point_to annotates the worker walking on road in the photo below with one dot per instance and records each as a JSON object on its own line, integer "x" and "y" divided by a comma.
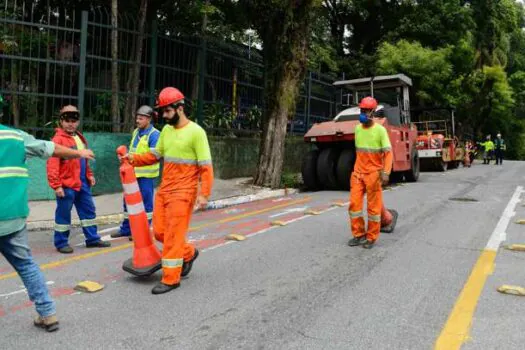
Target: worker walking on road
{"x": 72, "y": 181}
{"x": 15, "y": 146}
{"x": 371, "y": 171}
{"x": 500, "y": 148}
{"x": 184, "y": 147}
{"x": 488, "y": 147}
{"x": 144, "y": 140}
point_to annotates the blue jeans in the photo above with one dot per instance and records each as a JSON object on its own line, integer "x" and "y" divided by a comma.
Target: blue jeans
{"x": 15, "y": 249}
{"x": 147, "y": 190}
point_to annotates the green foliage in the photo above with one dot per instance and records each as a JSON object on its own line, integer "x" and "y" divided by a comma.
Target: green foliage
{"x": 218, "y": 116}
{"x": 430, "y": 69}
{"x": 290, "y": 180}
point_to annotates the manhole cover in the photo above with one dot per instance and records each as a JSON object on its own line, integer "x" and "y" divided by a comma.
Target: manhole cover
{"x": 463, "y": 199}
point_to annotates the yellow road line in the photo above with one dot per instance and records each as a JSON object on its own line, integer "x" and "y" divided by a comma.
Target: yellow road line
{"x": 456, "y": 330}
{"x": 58, "y": 263}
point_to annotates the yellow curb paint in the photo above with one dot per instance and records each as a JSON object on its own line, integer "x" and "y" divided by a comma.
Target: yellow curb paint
{"x": 512, "y": 290}
{"x": 312, "y": 212}
{"x": 516, "y": 247}
{"x": 278, "y": 223}
{"x": 456, "y": 330}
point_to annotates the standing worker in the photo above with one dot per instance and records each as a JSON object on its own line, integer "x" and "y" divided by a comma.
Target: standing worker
{"x": 500, "y": 148}
{"x": 144, "y": 140}
{"x": 187, "y": 159}
{"x": 72, "y": 181}
{"x": 371, "y": 171}
{"x": 15, "y": 146}
{"x": 488, "y": 150}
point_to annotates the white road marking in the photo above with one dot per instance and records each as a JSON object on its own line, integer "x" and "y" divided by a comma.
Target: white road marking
{"x": 272, "y": 228}
{"x": 287, "y": 211}
{"x": 499, "y": 235}
{"x": 7, "y": 295}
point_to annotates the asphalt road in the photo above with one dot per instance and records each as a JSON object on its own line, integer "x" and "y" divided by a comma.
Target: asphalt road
{"x": 299, "y": 286}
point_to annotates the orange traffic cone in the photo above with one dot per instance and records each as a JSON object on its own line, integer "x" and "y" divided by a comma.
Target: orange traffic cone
{"x": 146, "y": 257}
{"x": 388, "y": 219}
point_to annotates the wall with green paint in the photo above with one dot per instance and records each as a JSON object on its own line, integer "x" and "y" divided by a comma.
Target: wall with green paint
{"x": 232, "y": 157}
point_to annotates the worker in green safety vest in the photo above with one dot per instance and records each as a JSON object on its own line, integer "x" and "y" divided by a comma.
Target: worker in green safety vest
{"x": 144, "y": 140}
{"x": 500, "y": 148}
{"x": 15, "y": 147}
{"x": 488, "y": 153}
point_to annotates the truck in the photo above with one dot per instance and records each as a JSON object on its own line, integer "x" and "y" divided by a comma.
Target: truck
{"x": 438, "y": 146}
{"x": 331, "y": 160}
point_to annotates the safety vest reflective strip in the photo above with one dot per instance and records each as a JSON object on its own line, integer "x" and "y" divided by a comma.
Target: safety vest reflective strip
{"x": 372, "y": 140}
{"x": 14, "y": 176}
{"x": 186, "y": 146}
{"x": 148, "y": 171}
{"x": 13, "y": 172}
{"x": 374, "y": 218}
{"x": 6, "y": 134}
{"x": 88, "y": 222}
{"x": 172, "y": 263}
{"x": 356, "y": 214}
{"x": 61, "y": 228}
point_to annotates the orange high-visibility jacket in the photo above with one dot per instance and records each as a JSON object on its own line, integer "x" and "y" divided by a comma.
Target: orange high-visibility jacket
{"x": 187, "y": 159}
{"x": 374, "y": 152}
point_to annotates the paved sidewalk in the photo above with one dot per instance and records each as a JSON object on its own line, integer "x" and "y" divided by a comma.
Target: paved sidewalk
{"x": 109, "y": 206}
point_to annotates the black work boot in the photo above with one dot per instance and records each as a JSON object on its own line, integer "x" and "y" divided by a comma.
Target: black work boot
{"x": 357, "y": 241}
{"x": 368, "y": 244}
{"x": 162, "y": 288}
{"x": 65, "y": 250}
{"x": 99, "y": 244}
{"x": 118, "y": 235}
{"x": 186, "y": 266}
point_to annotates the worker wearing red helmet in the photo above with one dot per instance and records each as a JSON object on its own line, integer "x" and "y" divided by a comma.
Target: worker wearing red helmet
{"x": 371, "y": 170}
{"x": 184, "y": 147}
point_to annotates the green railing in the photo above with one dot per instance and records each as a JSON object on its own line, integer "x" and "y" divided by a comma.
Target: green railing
{"x": 52, "y": 57}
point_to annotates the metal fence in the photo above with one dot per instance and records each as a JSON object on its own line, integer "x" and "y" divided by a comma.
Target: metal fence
{"x": 52, "y": 57}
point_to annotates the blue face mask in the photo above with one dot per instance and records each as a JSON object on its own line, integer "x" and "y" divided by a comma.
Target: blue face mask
{"x": 363, "y": 118}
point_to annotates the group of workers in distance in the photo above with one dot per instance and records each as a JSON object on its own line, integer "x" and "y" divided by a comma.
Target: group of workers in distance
{"x": 491, "y": 150}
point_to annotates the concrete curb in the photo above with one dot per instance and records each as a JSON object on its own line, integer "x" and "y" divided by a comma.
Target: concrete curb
{"x": 46, "y": 225}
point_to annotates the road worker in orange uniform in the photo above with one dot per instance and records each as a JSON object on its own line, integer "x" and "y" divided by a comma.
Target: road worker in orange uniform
{"x": 184, "y": 147}
{"x": 371, "y": 171}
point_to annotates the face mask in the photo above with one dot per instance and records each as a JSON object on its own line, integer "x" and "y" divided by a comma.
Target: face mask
{"x": 363, "y": 118}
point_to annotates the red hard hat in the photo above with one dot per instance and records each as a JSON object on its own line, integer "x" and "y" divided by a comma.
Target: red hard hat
{"x": 368, "y": 103}
{"x": 169, "y": 96}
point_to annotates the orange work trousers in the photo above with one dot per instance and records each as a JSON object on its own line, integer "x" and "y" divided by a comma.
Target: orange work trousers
{"x": 171, "y": 220}
{"x": 369, "y": 184}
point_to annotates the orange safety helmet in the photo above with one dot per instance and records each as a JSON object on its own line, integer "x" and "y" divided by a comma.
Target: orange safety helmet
{"x": 169, "y": 96}
{"x": 368, "y": 103}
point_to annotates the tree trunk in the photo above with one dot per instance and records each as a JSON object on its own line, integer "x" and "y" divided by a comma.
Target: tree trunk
{"x": 15, "y": 99}
{"x": 285, "y": 45}
{"x": 134, "y": 76}
{"x": 115, "y": 88}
